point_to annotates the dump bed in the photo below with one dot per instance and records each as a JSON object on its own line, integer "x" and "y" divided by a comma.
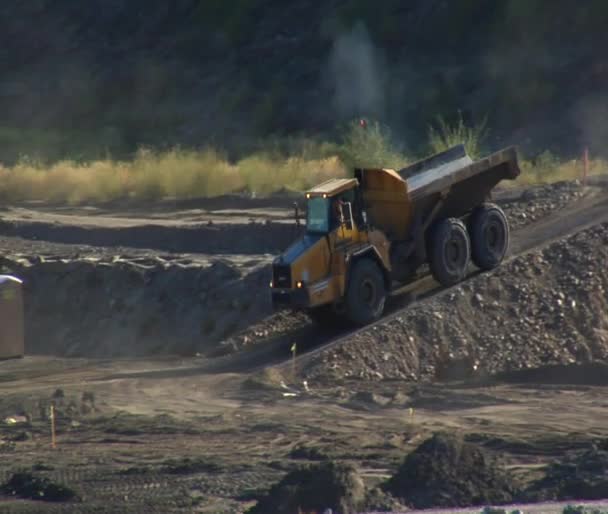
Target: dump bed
{"x": 462, "y": 182}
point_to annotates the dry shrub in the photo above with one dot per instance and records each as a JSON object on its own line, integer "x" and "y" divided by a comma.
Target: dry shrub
{"x": 264, "y": 174}
{"x": 64, "y": 182}
{"x": 183, "y": 174}
{"x": 548, "y": 168}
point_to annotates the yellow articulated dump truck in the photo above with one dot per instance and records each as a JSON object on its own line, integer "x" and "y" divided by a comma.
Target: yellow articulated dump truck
{"x": 372, "y": 233}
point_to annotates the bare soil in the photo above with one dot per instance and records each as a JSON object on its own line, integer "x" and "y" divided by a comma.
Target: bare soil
{"x": 506, "y": 361}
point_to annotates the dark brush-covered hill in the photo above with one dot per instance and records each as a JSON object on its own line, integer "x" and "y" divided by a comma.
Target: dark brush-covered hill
{"x": 88, "y": 78}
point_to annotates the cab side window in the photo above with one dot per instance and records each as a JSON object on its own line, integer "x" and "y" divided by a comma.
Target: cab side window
{"x": 343, "y": 198}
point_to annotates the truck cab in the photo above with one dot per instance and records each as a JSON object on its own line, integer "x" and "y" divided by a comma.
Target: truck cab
{"x": 312, "y": 274}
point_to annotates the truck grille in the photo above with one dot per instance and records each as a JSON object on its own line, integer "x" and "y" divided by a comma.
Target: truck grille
{"x": 281, "y": 276}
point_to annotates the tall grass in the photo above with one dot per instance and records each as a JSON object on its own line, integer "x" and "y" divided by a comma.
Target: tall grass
{"x": 370, "y": 146}
{"x": 295, "y": 165}
{"x": 154, "y": 175}
{"x": 447, "y": 135}
{"x": 548, "y": 168}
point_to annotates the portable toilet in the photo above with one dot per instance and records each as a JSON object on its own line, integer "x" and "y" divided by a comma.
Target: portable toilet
{"x": 12, "y": 343}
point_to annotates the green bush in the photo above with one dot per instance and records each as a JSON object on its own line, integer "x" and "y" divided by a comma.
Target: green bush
{"x": 447, "y": 135}
{"x": 370, "y": 146}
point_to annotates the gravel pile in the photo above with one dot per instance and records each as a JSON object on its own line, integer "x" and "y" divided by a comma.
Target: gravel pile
{"x": 445, "y": 471}
{"x": 536, "y": 203}
{"x": 546, "y": 307}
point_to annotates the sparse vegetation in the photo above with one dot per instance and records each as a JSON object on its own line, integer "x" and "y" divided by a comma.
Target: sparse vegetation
{"x": 447, "y": 135}
{"x": 370, "y": 145}
{"x": 291, "y": 164}
{"x": 547, "y": 168}
{"x": 153, "y": 175}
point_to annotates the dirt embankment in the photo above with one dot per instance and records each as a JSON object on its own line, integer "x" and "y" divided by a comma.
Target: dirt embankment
{"x": 113, "y": 309}
{"x": 103, "y": 283}
{"x": 546, "y": 307}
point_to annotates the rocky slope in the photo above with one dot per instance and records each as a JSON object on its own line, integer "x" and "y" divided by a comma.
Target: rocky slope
{"x": 546, "y": 307}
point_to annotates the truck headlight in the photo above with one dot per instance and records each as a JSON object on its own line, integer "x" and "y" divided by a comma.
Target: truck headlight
{"x": 299, "y": 284}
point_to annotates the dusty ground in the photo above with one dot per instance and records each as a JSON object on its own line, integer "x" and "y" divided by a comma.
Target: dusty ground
{"x": 506, "y": 359}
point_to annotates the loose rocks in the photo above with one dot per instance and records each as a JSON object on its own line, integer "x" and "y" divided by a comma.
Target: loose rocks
{"x": 544, "y": 308}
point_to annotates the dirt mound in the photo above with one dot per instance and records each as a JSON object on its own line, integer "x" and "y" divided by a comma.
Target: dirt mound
{"x": 109, "y": 308}
{"x": 445, "y": 471}
{"x": 553, "y": 301}
{"x": 316, "y": 488}
{"x": 583, "y": 476}
{"x": 25, "y": 485}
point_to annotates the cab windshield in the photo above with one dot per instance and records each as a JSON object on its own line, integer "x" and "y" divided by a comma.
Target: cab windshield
{"x": 317, "y": 217}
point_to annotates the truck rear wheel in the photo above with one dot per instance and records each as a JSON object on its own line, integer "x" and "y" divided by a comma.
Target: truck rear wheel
{"x": 366, "y": 293}
{"x": 489, "y": 236}
{"x": 450, "y": 251}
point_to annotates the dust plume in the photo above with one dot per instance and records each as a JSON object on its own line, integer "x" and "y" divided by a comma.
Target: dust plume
{"x": 357, "y": 75}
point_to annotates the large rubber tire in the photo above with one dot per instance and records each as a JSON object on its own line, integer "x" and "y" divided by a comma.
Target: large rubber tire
{"x": 325, "y": 316}
{"x": 449, "y": 251}
{"x": 365, "y": 293}
{"x": 490, "y": 235}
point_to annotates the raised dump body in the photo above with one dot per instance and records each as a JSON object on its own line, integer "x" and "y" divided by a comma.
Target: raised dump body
{"x": 452, "y": 177}
{"x": 369, "y": 234}
{"x": 467, "y": 183}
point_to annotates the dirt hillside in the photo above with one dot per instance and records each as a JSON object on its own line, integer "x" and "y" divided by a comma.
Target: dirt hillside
{"x": 546, "y": 307}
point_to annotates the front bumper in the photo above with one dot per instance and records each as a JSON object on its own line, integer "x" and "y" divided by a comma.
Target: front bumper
{"x": 290, "y": 298}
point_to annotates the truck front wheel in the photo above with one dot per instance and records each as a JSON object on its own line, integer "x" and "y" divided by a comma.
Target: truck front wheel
{"x": 450, "y": 251}
{"x": 489, "y": 236}
{"x": 366, "y": 293}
